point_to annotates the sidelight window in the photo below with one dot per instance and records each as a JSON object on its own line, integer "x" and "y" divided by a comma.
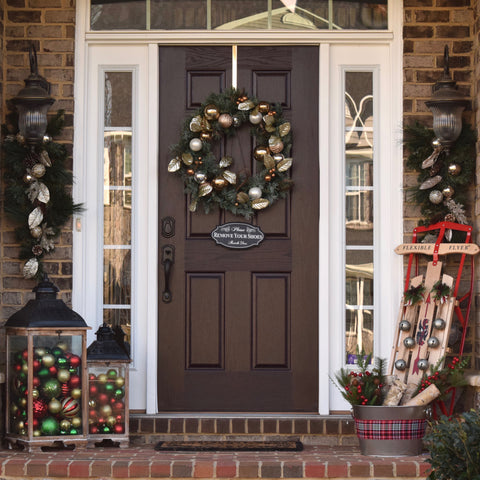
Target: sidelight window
{"x": 238, "y": 15}
{"x": 117, "y": 199}
{"x": 359, "y": 213}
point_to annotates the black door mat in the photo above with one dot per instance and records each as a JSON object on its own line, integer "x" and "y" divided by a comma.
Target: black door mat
{"x": 230, "y": 446}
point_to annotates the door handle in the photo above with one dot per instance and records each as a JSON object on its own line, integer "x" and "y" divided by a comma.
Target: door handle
{"x": 168, "y": 259}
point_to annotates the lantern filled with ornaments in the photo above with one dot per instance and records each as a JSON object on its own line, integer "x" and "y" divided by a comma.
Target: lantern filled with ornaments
{"x": 46, "y": 373}
{"x": 108, "y": 361}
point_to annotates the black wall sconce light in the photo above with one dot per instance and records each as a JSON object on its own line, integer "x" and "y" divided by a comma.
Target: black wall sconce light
{"x": 32, "y": 104}
{"x": 447, "y": 105}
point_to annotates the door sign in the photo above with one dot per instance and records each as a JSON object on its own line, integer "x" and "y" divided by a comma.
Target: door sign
{"x": 237, "y": 235}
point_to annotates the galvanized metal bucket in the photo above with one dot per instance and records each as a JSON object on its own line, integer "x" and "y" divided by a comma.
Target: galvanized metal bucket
{"x": 390, "y": 431}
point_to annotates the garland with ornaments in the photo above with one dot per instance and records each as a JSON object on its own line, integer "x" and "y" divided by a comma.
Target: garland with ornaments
{"x": 210, "y": 181}
{"x": 444, "y": 174}
{"x": 36, "y": 193}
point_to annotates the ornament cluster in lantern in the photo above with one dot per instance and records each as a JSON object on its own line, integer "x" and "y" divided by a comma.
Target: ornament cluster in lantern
{"x": 108, "y": 361}
{"x": 46, "y": 373}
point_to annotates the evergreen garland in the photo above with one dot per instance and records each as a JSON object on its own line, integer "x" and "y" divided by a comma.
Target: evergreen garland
{"x": 453, "y": 169}
{"x": 36, "y": 195}
{"x": 208, "y": 180}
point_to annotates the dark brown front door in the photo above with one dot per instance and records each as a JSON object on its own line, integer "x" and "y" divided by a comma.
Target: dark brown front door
{"x": 241, "y": 330}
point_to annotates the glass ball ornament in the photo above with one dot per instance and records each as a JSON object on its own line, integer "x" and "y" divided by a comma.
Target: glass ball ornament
{"x": 448, "y": 192}
{"x": 433, "y": 342}
{"x": 275, "y": 144}
{"x": 255, "y": 192}
{"x": 259, "y": 152}
{"x": 206, "y": 136}
{"x": 255, "y": 118}
{"x": 405, "y": 326}
{"x": 263, "y": 107}
{"x": 38, "y": 170}
{"x": 48, "y": 360}
{"x": 219, "y": 183}
{"x": 54, "y": 406}
{"x": 454, "y": 169}
{"x": 211, "y": 112}
{"x": 423, "y": 364}
{"x": 236, "y": 121}
{"x": 199, "y": 177}
{"x": 401, "y": 364}
{"x": 28, "y": 178}
{"x": 439, "y": 324}
{"x": 195, "y": 144}
{"x": 436, "y": 197}
{"x": 225, "y": 120}
{"x": 409, "y": 342}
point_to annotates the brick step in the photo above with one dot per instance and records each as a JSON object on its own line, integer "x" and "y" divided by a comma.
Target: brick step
{"x": 332, "y": 430}
{"x": 315, "y": 461}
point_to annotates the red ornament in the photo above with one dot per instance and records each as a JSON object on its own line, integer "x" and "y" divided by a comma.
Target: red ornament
{"x": 75, "y": 361}
{"x": 92, "y": 377}
{"x": 93, "y": 429}
{"x": 103, "y": 399}
{"x": 93, "y": 414}
{"x": 36, "y": 382}
{"x": 93, "y": 390}
{"x": 53, "y": 371}
{"x": 118, "y": 407}
{"x": 75, "y": 381}
{"x": 119, "y": 418}
{"x": 36, "y": 365}
{"x": 118, "y": 428}
{"x": 65, "y": 388}
{"x": 70, "y": 407}
{"x": 17, "y": 367}
{"x": 25, "y": 354}
{"x": 39, "y": 408}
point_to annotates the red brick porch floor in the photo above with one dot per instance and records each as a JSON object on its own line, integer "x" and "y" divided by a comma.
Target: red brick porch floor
{"x": 143, "y": 462}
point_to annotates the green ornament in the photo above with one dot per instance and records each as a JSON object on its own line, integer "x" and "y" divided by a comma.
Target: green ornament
{"x": 57, "y": 351}
{"x": 73, "y": 431}
{"x": 109, "y": 388}
{"x": 62, "y": 362}
{"x": 112, "y": 374}
{"x": 49, "y": 426}
{"x": 18, "y": 357}
{"x": 72, "y": 370}
{"x": 51, "y": 388}
{"x": 119, "y": 393}
{"x": 43, "y": 372}
{"x": 22, "y": 376}
{"x": 106, "y": 429}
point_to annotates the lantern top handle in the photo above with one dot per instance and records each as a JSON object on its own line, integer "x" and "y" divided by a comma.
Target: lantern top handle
{"x": 446, "y": 58}
{"x": 34, "y": 75}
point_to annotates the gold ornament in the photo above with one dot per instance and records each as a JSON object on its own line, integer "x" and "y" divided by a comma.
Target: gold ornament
{"x": 225, "y": 120}
{"x": 65, "y": 425}
{"x": 187, "y": 158}
{"x": 448, "y": 191}
{"x": 200, "y": 177}
{"x": 275, "y": 144}
{"x": 28, "y": 178}
{"x": 278, "y": 157}
{"x": 206, "y": 136}
{"x": 174, "y": 165}
{"x": 119, "y": 382}
{"x": 259, "y": 152}
{"x": 230, "y": 177}
{"x": 106, "y": 410}
{"x": 204, "y": 189}
{"x": 190, "y": 171}
{"x": 225, "y": 161}
{"x": 35, "y": 393}
{"x": 268, "y": 161}
{"x": 63, "y": 375}
{"x": 76, "y": 422}
{"x": 196, "y": 124}
{"x": 211, "y": 112}
{"x": 284, "y": 164}
{"x": 260, "y": 203}
{"x": 76, "y": 393}
{"x": 45, "y": 159}
{"x": 54, "y": 406}
{"x": 284, "y": 129}
{"x": 242, "y": 197}
{"x": 246, "y": 105}
{"x": 268, "y": 178}
{"x": 454, "y": 169}
{"x": 36, "y": 232}
{"x": 111, "y": 421}
{"x": 263, "y": 107}
{"x": 269, "y": 123}
{"x": 43, "y": 194}
{"x": 219, "y": 183}
{"x": 38, "y": 170}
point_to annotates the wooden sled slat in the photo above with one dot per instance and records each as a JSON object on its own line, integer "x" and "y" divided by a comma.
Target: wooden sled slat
{"x": 442, "y": 248}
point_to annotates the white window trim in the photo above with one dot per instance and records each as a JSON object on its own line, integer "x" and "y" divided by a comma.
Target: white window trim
{"x": 143, "y": 371}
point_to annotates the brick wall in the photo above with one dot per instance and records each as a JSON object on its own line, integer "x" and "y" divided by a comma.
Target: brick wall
{"x": 429, "y": 25}
{"x": 50, "y": 25}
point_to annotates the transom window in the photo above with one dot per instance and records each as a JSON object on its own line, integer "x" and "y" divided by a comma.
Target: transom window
{"x": 238, "y": 14}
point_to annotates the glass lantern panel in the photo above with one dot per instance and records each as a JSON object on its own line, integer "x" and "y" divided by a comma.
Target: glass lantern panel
{"x": 118, "y": 99}
{"x": 359, "y": 333}
{"x": 107, "y": 390}
{"x": 17, "y": 376}
{"x": 57, "y": 404}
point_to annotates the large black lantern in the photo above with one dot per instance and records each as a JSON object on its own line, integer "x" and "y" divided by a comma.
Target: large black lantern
{"x": 108, "y": 361}
{"x": 46, "y": 373}
{"x": 447, "y": 105}
{"x": 32, "y": 104}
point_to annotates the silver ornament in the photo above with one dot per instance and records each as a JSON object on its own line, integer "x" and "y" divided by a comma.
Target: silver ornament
{"x": 38, "y": 170}
{"x": 30, "y": 268}
{"x": 225, "y": 120}
{"x": 436, "y": 197}
{"x": 260, "y": 203}
{"x": 275, "y": 144}
{"x": 195, "y": 144}
{"x": 255, "y": 193}
{"x": 405, "y": 326}
{"x": 439, "y": 324}
{"x": 409, "y": 342}
{"x": 430, "y": 182}
{"x": 423, "y": 364}
{"x": 401, "y": 364}
{"x": 255, "y": 118}
{"x": 433, "y": 342}
{"x": 200, "y": 177}
{"x": 174, "y": 165}
{"x": 236, "y": 121}
{"x": 35, "y": 218}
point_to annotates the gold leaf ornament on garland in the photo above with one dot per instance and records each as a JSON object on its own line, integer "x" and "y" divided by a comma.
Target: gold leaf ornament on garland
{"x": 213, "y": 182}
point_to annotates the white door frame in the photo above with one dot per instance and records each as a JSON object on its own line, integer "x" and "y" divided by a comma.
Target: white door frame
{"x": 139, "y": 51}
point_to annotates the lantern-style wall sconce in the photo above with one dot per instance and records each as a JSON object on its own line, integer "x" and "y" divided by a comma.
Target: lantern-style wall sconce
{"x": 108, "y": 360}
{"x": 447, "y": 105}
{"x": 46, "y": 373}
{"x": 32, "y": 104}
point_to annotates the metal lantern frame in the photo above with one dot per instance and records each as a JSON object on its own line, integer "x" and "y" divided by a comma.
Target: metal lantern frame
{"x": 108, "y": 364}
{"x": 32, "y": 104}
{"x": 447, "y": 105}
{"x": 44, "y": 324}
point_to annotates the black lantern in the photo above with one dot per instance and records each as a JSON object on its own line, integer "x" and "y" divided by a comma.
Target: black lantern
{"x": 108, "y": 361}
{"x": 46, "y": 373}
{"x": 32, "y": 103}
{"x": 447, "y": 105}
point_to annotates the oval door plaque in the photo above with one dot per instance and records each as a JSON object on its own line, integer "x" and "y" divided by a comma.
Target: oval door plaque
{"x": 237, "y": 235}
